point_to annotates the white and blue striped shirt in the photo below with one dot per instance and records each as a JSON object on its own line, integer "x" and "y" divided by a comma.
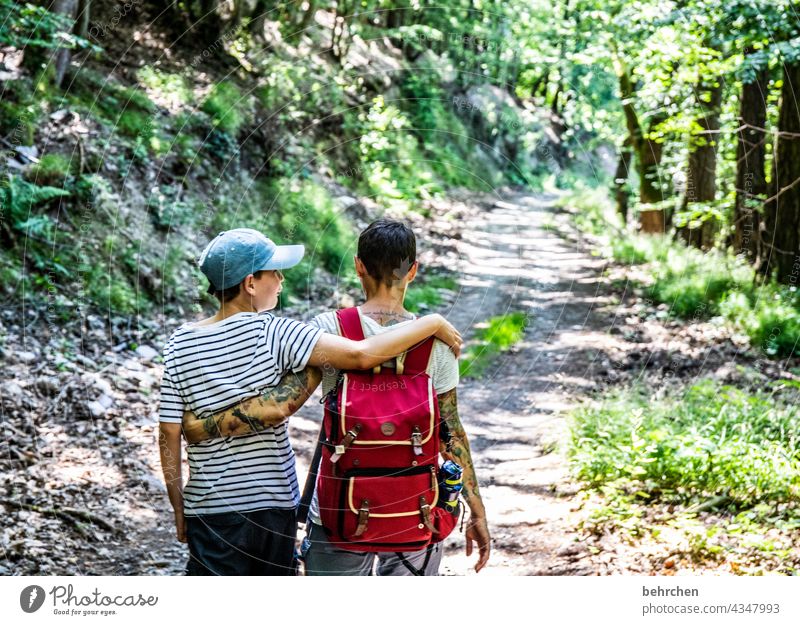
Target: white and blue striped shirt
{"x": 212, "y": 367}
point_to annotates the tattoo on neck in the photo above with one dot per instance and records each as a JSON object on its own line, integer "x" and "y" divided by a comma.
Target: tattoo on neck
{"x": 389, "y": 317}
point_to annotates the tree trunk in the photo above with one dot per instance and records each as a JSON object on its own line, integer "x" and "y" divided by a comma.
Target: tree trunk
{"x": 209, "y": 22}
{"x": 84, "y": 14}
{"x": 782, "y": 210}
{"x": 238, "y": 13}
{"x": 751, "y": 181}
{"x": 648, "y": 153}
{"x": 63, "y": 56}
{"x": 649, "y": 160}
{"x": 701, "y": 173}
{"x": 621, "y": 179}
{"x": 395, "y": 17}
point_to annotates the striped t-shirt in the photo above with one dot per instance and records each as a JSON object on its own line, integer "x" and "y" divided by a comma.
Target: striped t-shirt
{"x": 212, "y": 367}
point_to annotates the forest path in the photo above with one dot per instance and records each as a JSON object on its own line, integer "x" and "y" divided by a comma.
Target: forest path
{"x": 511, "y": 261}
{"x": 507, "y": 259}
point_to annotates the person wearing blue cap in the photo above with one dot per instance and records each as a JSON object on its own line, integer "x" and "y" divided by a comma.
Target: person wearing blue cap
{"x": 237, "y": 509}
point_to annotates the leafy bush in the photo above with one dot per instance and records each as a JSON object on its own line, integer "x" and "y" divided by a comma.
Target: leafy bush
{"x": 172, "y": 89}
{"x": 227, "y": 107}
{"x": 19, "y": 198}
{"x": 443, "y": 136}
{"x": 769, "y": 315}
{"x": 293, "y": 211}
{"x": 52, "y": 169}
{"x": 20, "y": 111}
{"x": 694, "y": 283}
{"x": 34, "y": 28}
{"x": 306, "y": 215}
{"x": 129, "y": 111}
{"x": 712, "y": 440}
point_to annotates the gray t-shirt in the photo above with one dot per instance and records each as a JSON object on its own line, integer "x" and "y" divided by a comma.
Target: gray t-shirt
{"x": 443, "y": 367}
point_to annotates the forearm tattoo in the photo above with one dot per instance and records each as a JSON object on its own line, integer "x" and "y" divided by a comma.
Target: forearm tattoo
{"x": 458, "y": 447}
{"x": 259, "y": 413}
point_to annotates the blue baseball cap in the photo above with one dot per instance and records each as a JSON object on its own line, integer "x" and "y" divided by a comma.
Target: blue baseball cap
{"x": 235, "y": 254}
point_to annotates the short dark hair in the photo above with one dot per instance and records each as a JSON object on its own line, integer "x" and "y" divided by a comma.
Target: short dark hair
{"x": 231, "y": 292}
{"x": 387, "y": 248}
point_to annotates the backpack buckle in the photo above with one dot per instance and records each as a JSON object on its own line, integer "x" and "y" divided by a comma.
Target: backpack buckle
{"x": 425, "y": 514}
{"x": 363, "y": 517}
{"x": 416, "y": 441}
{"x": 341, "y": 448}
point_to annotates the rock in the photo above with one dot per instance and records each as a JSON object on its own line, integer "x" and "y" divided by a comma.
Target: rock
{"x": 145, "y": 352}
{"x": 48, "y": 386}
{"x": 95, "y": 323}
{"x": 29, "y": 152}
{"x": 59, "y": 115}
{"x": 570, "y": 550}
{"x": 96, "y": 409}
{"x": 11, "y": 391}
{"x": 26, "y": 357}
{"x": 105, "y": 401}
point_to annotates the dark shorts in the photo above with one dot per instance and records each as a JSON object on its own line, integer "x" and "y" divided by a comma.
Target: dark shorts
{"x": 242, "y": 543}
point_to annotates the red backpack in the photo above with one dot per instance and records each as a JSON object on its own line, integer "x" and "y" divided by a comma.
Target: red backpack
{"x": 378, "y": 486}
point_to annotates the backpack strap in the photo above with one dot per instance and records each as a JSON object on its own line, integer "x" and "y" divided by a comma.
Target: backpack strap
{"x": 413, "y": 362}
{"x": 350, "y": 323}
{"x": 418, "y": 357}
{"x": 311, "y": 479}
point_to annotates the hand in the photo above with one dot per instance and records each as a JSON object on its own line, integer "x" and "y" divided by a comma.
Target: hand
{"x": 478, "y": 531}
{"x": 447, "y": 333}
{"x": 180, "y": 526}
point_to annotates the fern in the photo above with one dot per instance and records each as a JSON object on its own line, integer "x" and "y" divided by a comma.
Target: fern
{"x": 18, "y": 198}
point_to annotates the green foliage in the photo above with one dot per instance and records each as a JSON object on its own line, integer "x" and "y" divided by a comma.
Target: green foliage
{"x": 710, "y": 440}
{"x": 112, "y": 293}
{"x": 444, "y": 138}
{"x": 390, "y": 161}
{"x": 500, "y": 334}
{"x": 769, "y": 315}
{"x": 129, "y": 111}
{"x": 171, "y": 89}
{"x": 20, "y": 198}
{"x": 291, "y": 211}
{"x": 227, "y": 107}
{"x": 20, "y": 111}
{"x": 426, "y": 294}
{"x": 26, "y": 25}
{"x": 51, "y": 170}
{"x": 305, "y": 214}
{"x": 695, "y": 285}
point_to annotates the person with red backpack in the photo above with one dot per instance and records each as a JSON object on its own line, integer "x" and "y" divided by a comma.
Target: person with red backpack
{"x": 383, "y": 504}
{"x": 375, "y": 505}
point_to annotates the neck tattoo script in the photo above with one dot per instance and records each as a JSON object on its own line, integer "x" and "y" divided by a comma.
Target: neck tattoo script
{"x": 387, "y": 317}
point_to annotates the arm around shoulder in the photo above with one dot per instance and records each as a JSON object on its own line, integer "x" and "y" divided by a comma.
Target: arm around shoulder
{"x": 342, "y": 353}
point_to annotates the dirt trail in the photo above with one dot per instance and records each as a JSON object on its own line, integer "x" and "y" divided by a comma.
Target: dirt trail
{"x": 508, "y": 260}
{"x": 511, "y": 261}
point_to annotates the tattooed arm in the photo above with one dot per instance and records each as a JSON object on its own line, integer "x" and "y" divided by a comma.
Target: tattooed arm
{"x": 459, "y": 452}
{"x": 270, "y": 408}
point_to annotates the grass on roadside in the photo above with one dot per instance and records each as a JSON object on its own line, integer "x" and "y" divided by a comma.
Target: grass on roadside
{"x": 696, "y": 285}
{"x": 713, "y": 449}
{"x": 500, "y": 334}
